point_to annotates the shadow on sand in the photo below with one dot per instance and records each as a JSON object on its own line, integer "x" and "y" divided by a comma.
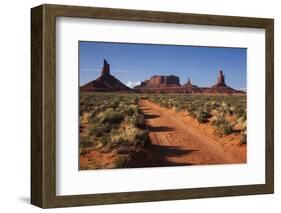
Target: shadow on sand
{"x": 158, "y": 156}
{"x": 160, "y": 128}
{"x": 151, "y": 116}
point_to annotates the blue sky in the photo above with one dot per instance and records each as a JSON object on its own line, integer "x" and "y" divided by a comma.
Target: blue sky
{"x": 132, "y": 63}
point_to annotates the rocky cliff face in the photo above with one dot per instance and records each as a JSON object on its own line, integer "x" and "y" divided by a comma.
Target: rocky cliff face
{"x": 170, "y": 84}
{"x": 161, "y": 81}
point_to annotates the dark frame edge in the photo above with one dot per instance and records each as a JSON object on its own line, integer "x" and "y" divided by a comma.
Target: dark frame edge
{"x": 37, "y": 197}
{"x": 156, "y": 16}
{"x": 269, "y": 118}
{"x": 43, "y": 107}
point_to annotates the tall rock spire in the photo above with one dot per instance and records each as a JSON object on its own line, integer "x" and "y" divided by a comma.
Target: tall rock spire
{"x": 105, "y": 82}
{"x": 188, "y": 81}
{"x": 106, "y": 68}
{"x": 221, "y": 79}
{"x": 189, "y": 84}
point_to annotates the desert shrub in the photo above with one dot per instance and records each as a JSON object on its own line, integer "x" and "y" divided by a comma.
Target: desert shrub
{"x": 202, "y": 116}
{"x": 118, "y": 140}
{"x": 104, "y": 140}
{"x": 243, "y": 139}
{"x": 126, "y": 133}
{"x": 222, "y": 125}
{"x": 243, "y": 116}
{"x": 242, "y": 123}
{"x": 132, "y": 109}
{"x": 142, "y": 138}
{"x": 122, "y": 161}
{"x": 139, "y": 121}
{"x": 128, "y": 136}
{"x": 192, "y": 114}
{"x": 115, "y": 104}
{"x": 136, "y": 100}
{"x": 145, "y": 97}
{"x": 82, "y": 109}
{"x": 224, "y": 105}
{"x": 93, "y": 118}
{"x": 231, "y": 110}
{"x": 97, "y": 131}
{"x": 110, "y": 116}
{"x": 240, "y": 112}
{"x": 215, "y": 104}
{"x": 192, "y": 110}
{"x": 226, "y": 129}
{"x": 85, "y": 141}
{"x": 109, "y": 126}
{"x": 101, "y": 107}
{"x": 224, "y": 108}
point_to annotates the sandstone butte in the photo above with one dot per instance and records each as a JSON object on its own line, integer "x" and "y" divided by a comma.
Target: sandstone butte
{"x": 105, "y": 83}
{"x": 156, "y": 84}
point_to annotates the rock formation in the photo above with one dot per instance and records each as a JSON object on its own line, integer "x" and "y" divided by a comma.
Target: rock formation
{"x": 160, "y": 81}
{"x": 221, "y": 86}
{"x": 106, "y": 68}
{"x": 221, "y": 80}
{"x": 156, "y": 84}
{"x": 105, "y": 83}
{"x": 189, "y": 84}
{"x": 170, "y": 84}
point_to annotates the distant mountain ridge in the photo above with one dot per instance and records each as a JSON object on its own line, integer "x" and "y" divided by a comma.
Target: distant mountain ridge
{"x": 156, "y": 84}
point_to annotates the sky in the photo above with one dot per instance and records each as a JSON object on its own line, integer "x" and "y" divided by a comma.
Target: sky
{"x": 133, "y": 63}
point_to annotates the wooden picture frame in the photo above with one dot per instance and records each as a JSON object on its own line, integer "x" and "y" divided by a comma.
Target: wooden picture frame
{"x": 43, "y": 105}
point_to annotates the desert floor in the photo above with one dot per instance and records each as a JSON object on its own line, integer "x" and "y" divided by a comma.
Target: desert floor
{"x": 177, "y": 139}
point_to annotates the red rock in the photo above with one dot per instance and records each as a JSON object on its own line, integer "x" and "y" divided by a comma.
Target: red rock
{"x": 221, "y": 80}
{"x": 160, "y": 84}
{"x": 105, "y": 83}
{"x": 189, "y": 84}
{"x": 161, "y": 81}
{"x": 156, "y": 84}
{"x": 106, "y": 68}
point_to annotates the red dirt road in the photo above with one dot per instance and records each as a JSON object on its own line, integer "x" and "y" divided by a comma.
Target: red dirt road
{"x": 178, "y": 141}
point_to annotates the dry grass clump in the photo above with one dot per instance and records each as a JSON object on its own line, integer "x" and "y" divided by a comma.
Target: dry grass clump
{"x": 223, "y": 126}
{"x": 120, "y": 127}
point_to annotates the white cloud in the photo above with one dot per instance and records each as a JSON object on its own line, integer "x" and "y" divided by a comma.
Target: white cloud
{"x": 133, "y": 84}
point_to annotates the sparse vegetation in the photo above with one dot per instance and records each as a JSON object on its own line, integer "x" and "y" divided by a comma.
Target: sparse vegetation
{"x": 243, "y": 138}
{"x": 222, "y": 111}
{"x": 115, "y": 125}
{"x": 122, "y": 161}
{"x": 202, "y": 116}
{"x": 223, "y": 126}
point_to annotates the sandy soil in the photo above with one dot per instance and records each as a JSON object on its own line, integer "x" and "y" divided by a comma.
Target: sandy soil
{"x": 178, "y": 139}
{"x": 93, "y": 158}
